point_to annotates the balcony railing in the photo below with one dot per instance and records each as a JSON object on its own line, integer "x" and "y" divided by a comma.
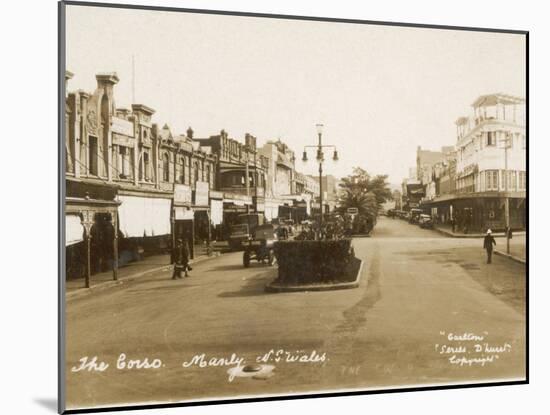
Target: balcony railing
{"x": 241, "y": 190}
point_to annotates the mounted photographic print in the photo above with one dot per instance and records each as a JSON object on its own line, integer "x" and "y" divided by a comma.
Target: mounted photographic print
{"x": 262, "y": 206}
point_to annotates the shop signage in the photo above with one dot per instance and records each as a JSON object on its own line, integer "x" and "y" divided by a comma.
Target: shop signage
{"x": 121, "y": 126}
{"x": 214, "y": 194}
{"x": 122, "y": 140}
{"x": 201, "y": 193}
{"x": 182, "y": 213}
{"x": 182, "y": 194}
{"x": 237, "y": 199}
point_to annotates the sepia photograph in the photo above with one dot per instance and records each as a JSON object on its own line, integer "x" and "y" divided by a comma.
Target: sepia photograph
{"x": 266, "y": 206}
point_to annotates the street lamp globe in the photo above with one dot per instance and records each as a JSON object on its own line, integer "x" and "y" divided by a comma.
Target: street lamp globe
{"x": 319, "y": 128}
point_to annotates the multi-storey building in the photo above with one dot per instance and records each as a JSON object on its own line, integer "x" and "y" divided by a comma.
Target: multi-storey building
{"x": 121, "y": 175}
{"x": 241, "y": 175}
{"x": 281, "y": 189}
{"x": 489, "y": 167}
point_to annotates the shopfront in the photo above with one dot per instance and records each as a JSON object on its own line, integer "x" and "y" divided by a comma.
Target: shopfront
{"x": 144, "y": 224}
{"x": 91, "y": 240}
{"x": 477, "y": 212}
{"x": 183, "y": 216}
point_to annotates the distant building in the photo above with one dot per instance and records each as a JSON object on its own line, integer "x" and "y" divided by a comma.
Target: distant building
{"x": 331, "y": 190}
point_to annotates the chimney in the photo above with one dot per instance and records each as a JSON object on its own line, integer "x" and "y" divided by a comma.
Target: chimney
{"x": 190, "y": 133}
{"x": 250, "y": 141}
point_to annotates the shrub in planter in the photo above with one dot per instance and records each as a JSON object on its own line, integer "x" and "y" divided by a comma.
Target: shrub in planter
{"x": 311, "y": 262}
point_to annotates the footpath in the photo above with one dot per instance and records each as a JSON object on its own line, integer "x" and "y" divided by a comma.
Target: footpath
{"x": 518, "y": 251}
{"x": 75, "y": 288}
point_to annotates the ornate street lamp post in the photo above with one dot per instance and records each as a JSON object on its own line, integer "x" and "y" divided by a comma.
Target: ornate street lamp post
{"x": 320, "y": 158}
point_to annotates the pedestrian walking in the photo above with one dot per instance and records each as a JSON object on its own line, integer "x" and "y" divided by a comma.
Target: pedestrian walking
{"x": 453, "y": 224}
{"x": 488, "y": 243}
{"x": 181, "y": 259}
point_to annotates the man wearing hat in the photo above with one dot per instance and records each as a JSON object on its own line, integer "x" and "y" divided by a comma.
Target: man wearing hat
{"x": 181, "y": 259}
{"x": 488, "y": 243}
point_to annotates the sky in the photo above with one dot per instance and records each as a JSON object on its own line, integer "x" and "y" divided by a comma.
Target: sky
{"x": 379, "y": 91}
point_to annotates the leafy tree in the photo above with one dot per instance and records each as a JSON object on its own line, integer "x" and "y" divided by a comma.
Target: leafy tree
{"x": 366, "y": 193}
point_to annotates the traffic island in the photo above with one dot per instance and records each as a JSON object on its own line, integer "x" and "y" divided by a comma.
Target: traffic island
{"x": 315, "y": 266}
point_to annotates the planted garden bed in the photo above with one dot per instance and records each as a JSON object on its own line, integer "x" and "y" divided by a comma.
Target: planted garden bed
{"x": 312, "y": 263}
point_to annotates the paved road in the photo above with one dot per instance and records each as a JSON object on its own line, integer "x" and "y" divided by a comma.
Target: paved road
{"x": 417, "y": 288}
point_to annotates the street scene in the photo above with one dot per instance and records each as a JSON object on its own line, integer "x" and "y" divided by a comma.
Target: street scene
{"x": 289, "y": 224}
{"x": 416, "y": 285}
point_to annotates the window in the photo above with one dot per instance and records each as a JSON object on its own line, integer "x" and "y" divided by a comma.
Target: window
{"x": 491, "y": 138}
{"x": 491, "y": 179}
{"x": 208, "y": 174}
{"x": 196, "y": 171}
{"x": 522, "y": 180}
{"x": 181, "y": 178}
{"x": 92, "y": 156}
{"x": 165, "y": 167}
{"x": 146, "y": 166}
{"x": 512, "y": 180}
{"x": 123, "y": 165}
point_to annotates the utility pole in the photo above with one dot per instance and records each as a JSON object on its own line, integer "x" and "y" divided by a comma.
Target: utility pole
{"x": 255, "y": 203}
{"x": 320, "y": 156}
{"x": 506, "y": 198}
{"x": 133, "y": 81}
{"x": 247, "y": 179}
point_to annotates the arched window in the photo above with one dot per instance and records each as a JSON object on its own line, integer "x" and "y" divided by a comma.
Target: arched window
{"x": 166, "y": 167}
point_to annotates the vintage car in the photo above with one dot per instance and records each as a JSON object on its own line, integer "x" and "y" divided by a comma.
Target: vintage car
{"x": 244, "y": 229}
{"x": 425, "y": 221}
{"x": 260, "y": 246}
{"x": 415, "y": 215}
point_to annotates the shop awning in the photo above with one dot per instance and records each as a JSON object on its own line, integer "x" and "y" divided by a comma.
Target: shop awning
{"x": 74, "y": 231}
{"x": 144, "y": 216}
{"x": 216, "y": 211}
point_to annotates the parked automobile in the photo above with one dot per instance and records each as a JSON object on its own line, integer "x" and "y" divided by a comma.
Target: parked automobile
{"x": 244, "y": 229}
{"x": 425, "y": 221}
{"x": 415, "y": 215}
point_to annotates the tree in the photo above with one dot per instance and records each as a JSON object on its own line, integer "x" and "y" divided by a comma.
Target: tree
{"x": 366, "y": 193}
{"x": 361, "y": 182}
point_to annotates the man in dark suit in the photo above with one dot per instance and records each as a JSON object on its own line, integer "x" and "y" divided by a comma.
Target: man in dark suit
{"x": 181, "y": 259}
{"x": 488, "y": 243}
